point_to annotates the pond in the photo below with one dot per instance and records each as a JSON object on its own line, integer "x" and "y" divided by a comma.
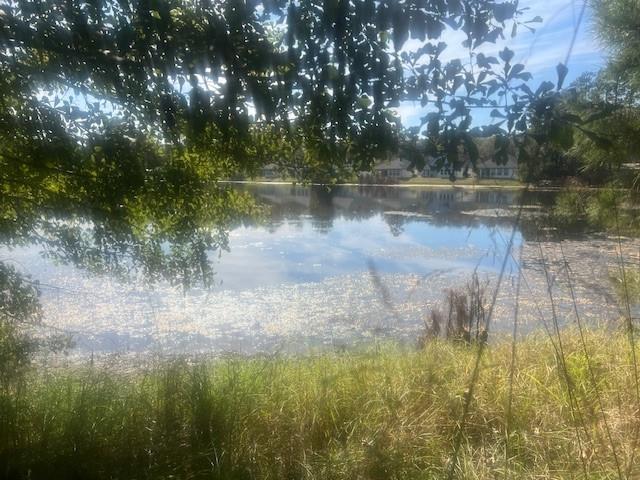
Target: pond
{"x": 330, "y": 269}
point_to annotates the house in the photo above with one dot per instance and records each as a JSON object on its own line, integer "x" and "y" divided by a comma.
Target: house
{"x": 270, "y": 171}
{"x": 490, "y": 169}
{"x": 486, "y": 166}
{"x": 396, "y": 169}
{"x": 432, "y": 169}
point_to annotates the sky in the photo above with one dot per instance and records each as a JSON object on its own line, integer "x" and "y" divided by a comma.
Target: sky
{"x": 540, "y": 52}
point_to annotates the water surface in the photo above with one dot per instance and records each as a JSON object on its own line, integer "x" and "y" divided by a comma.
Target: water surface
{"x": 323, "y": 269}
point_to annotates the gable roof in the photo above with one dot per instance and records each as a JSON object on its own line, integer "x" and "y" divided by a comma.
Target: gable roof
{"x": 393, "y": 164}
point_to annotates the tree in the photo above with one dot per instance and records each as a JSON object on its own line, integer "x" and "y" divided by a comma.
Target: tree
{"x": 617, "y": 25}
{"x": 177, "y": 70}
{"x": 609, "y": 136}
{"x": 593, "y": 128}
{"x": 118, "y": 118}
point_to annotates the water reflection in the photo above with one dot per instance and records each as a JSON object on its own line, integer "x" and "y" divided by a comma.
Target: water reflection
{"x": 298, "y": 277}
{"x": 441, "y": 206}
{"x": 316, "y": 233}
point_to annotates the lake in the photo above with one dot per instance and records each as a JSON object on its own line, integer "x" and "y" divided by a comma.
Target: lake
{"x": 334, "y": 268}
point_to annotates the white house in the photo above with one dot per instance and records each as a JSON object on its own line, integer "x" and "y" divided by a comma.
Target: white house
{"x": 486, "y": 166}
{"x": 393, "y": 169}
{"x": 431, "y": 169}
{"x": 490, "y": 169}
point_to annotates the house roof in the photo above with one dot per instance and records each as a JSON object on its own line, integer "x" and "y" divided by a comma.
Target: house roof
{"x": 393, "y": 164}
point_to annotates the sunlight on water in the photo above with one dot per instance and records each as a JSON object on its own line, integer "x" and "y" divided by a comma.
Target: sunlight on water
{"x": 297, "y": 282}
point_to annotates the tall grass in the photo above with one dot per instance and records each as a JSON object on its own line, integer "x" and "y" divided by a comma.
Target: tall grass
{"x": 388, "y": 413}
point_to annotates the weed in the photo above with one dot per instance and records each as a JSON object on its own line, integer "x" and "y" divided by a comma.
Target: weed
{"x": 465, "y": 317}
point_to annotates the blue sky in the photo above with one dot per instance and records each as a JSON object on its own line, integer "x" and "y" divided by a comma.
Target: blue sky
{"x": 540, "y": 51}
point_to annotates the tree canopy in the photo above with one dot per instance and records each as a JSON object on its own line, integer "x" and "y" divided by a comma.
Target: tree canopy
{"x": 326, "y": 73}
{"x": 122, "y": 115}
{"x": 617, "y": 24}
{"x": 599, "y": 132}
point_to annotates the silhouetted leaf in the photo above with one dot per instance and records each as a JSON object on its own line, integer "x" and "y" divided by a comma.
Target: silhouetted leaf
{"x": 506, "y": 55}
{"x": 562, "y": 71}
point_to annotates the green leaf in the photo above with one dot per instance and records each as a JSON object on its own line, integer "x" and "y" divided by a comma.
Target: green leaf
{"x": 516, "y": 70}
{"x": 364, "y": 101}
{"x": 504, "y": 11}
{"x": 544, "y": 88}
{"x": 332, "y": 72}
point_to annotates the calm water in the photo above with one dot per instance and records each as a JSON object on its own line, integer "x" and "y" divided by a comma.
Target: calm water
{"x": 324, "y": 269}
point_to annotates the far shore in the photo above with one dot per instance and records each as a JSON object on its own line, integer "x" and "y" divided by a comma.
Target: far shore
{"x": 422, "y": 182}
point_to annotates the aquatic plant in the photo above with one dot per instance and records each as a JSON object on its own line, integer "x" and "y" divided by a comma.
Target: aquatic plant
{"x": 465, "y": 317}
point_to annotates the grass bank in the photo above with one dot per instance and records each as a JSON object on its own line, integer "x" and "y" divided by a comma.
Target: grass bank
{"x": 379, "y": 414}
{"x": 415, "y": 181}
{"x": 476, "y": 182}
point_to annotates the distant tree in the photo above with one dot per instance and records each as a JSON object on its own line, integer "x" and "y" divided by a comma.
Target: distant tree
{"x": 617, "y": 25}
{"x": 592, "y": 129}
{"x": 609, "y": 135}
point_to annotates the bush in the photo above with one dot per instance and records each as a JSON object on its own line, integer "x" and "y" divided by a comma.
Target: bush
{"x": 570, "y": 208}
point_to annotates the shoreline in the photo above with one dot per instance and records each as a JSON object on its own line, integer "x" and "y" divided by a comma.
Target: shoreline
{"x": 394, "y": 185}
{"x": 413, "y": 185}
